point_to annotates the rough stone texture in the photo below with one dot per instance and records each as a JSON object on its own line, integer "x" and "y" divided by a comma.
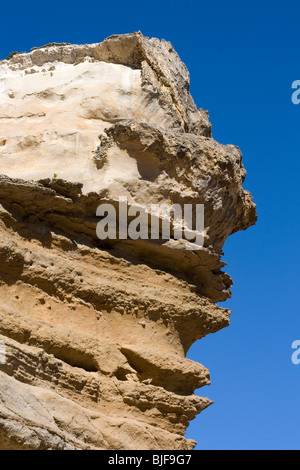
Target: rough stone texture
{"x": 96, "y": 332}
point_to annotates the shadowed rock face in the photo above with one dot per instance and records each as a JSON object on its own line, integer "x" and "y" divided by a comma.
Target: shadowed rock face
{"x": 95, "y": 333}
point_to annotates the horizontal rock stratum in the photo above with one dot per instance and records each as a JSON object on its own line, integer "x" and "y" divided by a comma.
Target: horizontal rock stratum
{"x": 94, "y": 333}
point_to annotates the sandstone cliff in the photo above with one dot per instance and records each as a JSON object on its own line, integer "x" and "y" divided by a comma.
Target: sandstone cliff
{"x": 94, "y": 333}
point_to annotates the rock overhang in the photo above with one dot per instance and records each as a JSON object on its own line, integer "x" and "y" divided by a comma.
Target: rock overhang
{"x": 81, "y": 125}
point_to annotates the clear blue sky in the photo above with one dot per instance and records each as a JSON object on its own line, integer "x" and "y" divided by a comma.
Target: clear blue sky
{"x": 243, "y": 57}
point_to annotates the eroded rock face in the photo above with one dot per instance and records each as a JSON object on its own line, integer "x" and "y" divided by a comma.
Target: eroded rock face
{"x": 96, "y": 332}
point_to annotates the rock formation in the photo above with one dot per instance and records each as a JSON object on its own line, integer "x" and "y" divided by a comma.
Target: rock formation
{"x": 94, "y": 333}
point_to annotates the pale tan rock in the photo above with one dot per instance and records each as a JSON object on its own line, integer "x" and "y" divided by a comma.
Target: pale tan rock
{"x": 96, "y": 332}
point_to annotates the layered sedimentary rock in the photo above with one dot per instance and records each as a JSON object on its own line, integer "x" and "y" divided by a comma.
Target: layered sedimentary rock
{"x": 94, "y": 333}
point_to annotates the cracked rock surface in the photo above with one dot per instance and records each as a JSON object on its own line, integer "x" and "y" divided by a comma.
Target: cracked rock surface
{"x": 94, "y": 333}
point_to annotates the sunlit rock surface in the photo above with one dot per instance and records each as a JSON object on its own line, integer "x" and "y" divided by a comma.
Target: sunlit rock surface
{"x": 96, "y": 332}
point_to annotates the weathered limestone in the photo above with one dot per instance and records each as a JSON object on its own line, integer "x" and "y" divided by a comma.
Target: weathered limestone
{"x": 96, "y": 332}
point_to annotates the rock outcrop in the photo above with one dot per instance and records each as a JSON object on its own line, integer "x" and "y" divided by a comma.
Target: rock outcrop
{"x": 94, "y": 333}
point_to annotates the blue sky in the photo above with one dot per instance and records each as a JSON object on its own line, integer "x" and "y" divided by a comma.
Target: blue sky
{"x": 242, "y": 58}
